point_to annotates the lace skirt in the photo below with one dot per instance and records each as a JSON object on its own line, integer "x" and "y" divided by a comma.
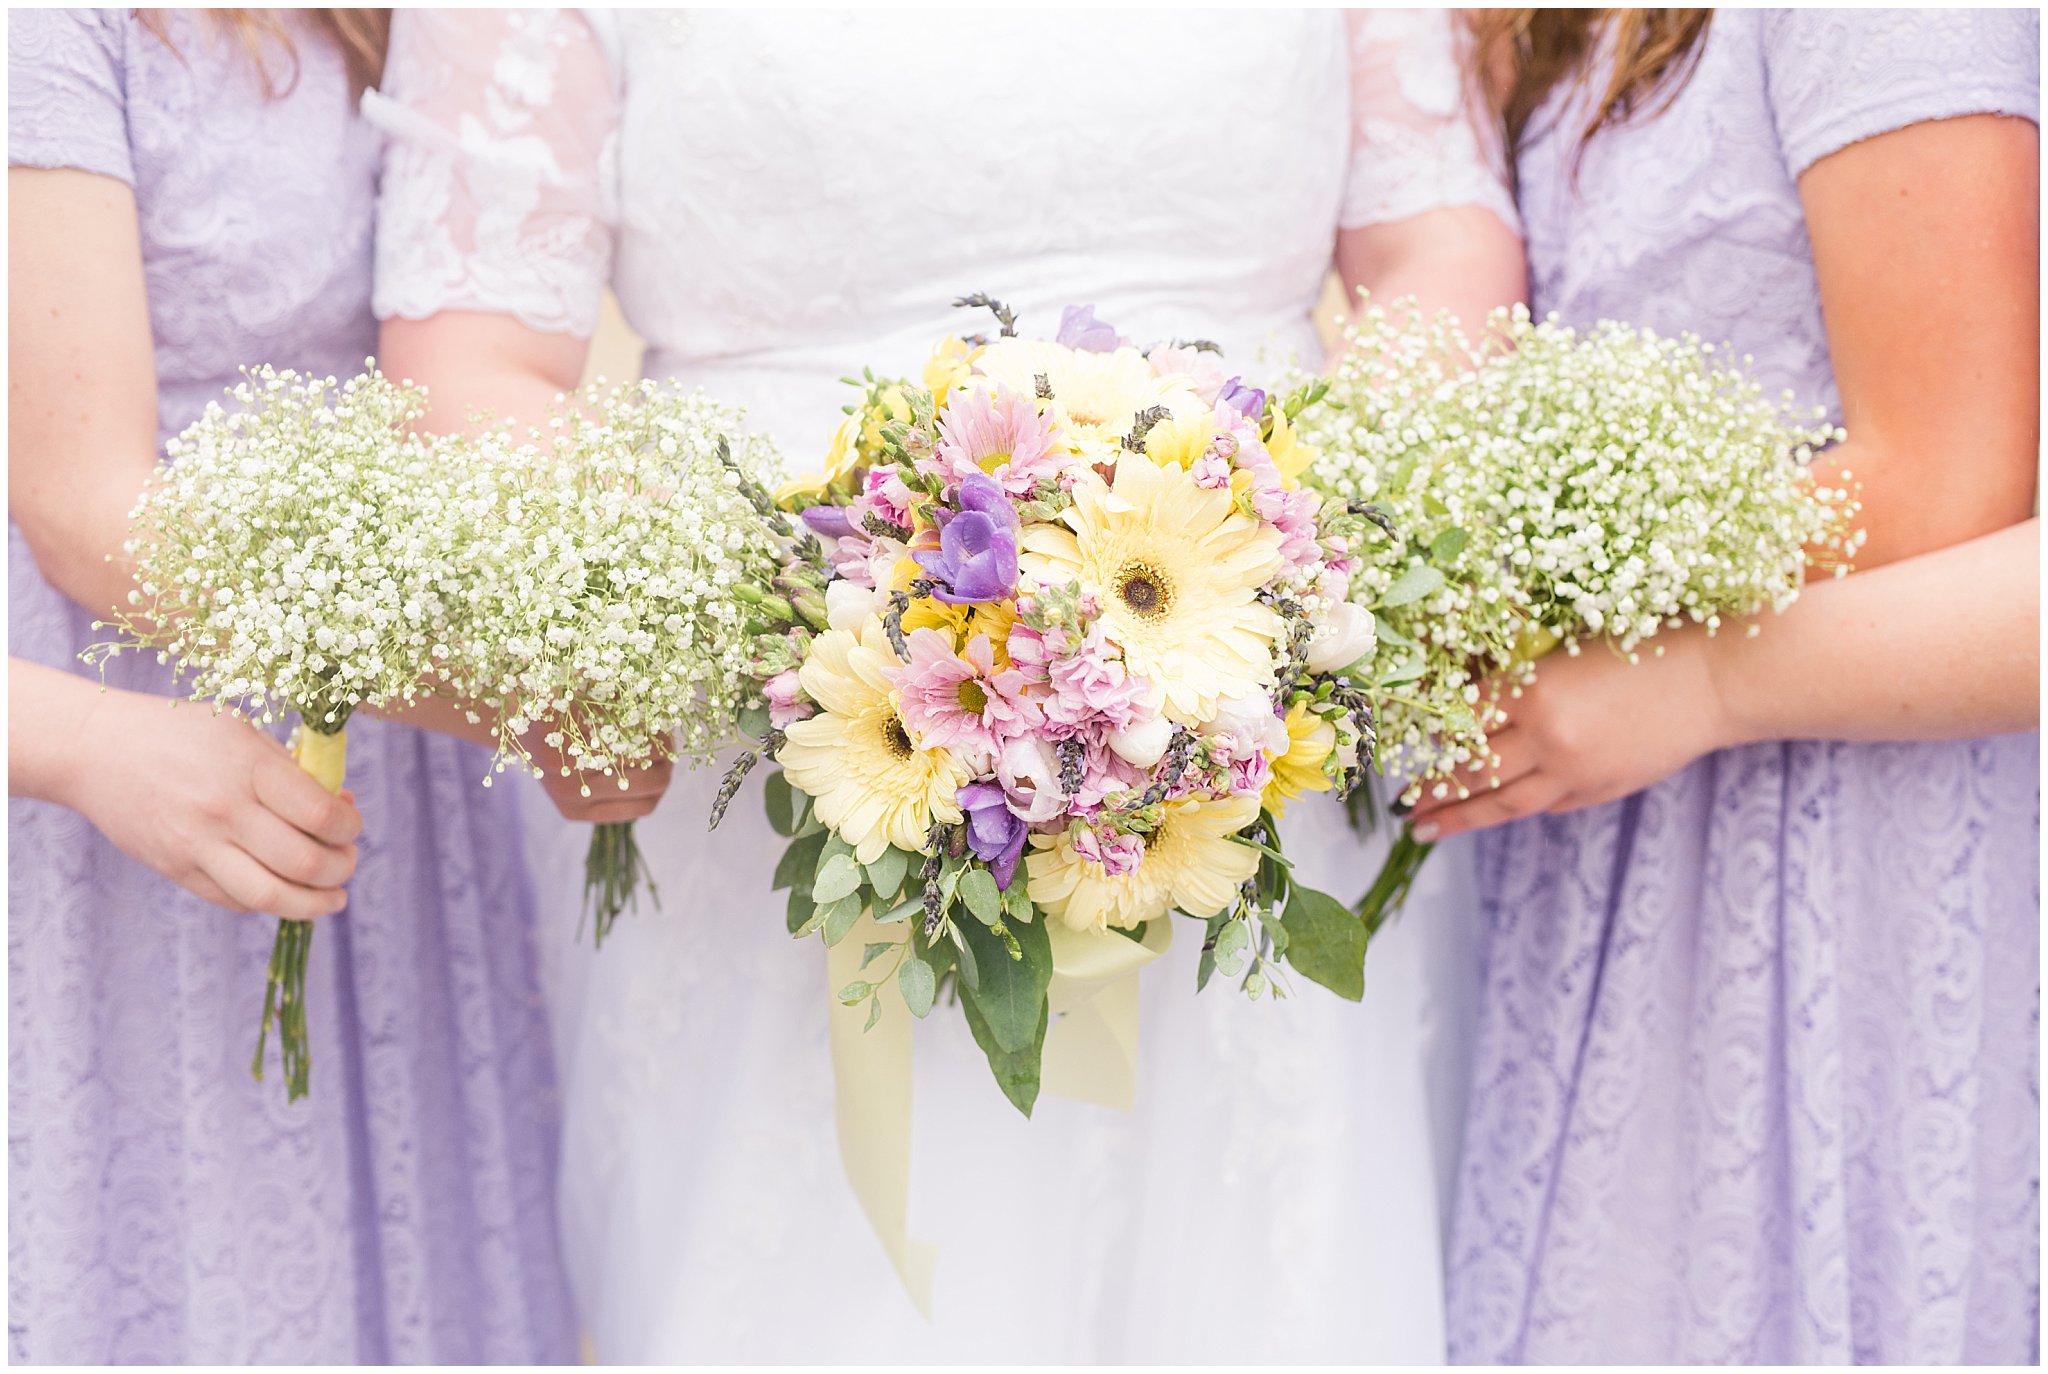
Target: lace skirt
{"x": 164, "y": 1207}
{"x": 1757, "y": 1068}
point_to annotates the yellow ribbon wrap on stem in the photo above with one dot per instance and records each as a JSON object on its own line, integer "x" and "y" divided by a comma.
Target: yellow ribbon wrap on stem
{"x": 325, "y": 757}
{"x": 1091, "y": 1055}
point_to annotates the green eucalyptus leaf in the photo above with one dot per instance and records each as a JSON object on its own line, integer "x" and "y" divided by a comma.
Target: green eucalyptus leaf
{"x": 799, "y": 863}
{"x": 840, "y": 916}
{"x": 874, "y": 1015}
{"x": 753, "y": 721}
{"x": 978, "y": 889}
{"x": 902, "y": 911}
{"x": 871, "y": 952}
{"x": 1448, "y": 545}
{"x": 886, "y": 873}
{"x": 919, "y": 986}
{"x": 1326, "y": 942}
{"x": 837, "y": 877}
{"x": 858, "y": 990}
{"x": 1232, "y": 943}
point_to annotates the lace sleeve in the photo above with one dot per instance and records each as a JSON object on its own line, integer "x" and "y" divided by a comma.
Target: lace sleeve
{"x": 1419, "y": 141}
{"x": 1840, "y": 76}
{"x": 498, "y": 189}
{"x": 67, "y": 99}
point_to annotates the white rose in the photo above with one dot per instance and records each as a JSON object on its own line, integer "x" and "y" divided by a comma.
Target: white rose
{"x": 1346, "y": 635}
{"x": 848, "y": 606}
{"x": 1029, "y": 771}
{"x": 1144, "y": 743}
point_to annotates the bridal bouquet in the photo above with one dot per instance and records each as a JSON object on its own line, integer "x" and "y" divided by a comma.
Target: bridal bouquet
{"x": 1067, "y": 634}
{"x": 613, "y": 568}
{"x": 1567, "y": 489}
{"x": 293, "y": 555}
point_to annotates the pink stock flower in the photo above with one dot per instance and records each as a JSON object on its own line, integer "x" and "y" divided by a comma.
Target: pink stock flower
{"x": 884, "y": 495}
{"x": 786, "y": 701}
{"x": 958, "y": 700}
{"x": 1091, "y": 689}
{"x": 1211, "y": 471}
{"x": 1117, "y": 853}
{"x": 1200, "y": 370}
{"x": 1003, "y": 436}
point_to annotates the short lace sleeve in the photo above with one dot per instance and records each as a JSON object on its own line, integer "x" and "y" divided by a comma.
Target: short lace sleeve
{"x": 67, "y": 97}
{"x": 498, "y": 190}
{"x": 1839, "y": 76}
{"x": 1420, "y": 139}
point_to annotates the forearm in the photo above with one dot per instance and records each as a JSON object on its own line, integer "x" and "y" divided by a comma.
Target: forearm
{"x": 1904, "y": 515}
{"x": 48, "y": 714}
{"x": 1942, "y": 646}
{"x": 1465, "y": 261}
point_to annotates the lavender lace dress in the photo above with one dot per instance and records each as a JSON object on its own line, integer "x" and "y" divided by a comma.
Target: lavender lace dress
{"x": 162, "y": 1206}
{"x": 1757, "y": 1068}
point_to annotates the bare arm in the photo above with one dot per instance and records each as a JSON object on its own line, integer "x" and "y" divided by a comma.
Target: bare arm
{"x": 1463, "y": 259}
{"x": 81, "y": 389}
{"x": 1942, "y": 646}
{"x": 1926, "y": 243}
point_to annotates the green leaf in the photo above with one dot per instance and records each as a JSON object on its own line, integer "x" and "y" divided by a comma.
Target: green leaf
{"x": 1205, "y": 968}
{"x": 782, "y": 803}
{"x": 871, "y": 952}
{"x": 1433, "y": 505}
{"x": 855, "y": 991}
{"x": 753, "y": 721}
{"x": 837, "y": 876}
{"x": 1017, "y": 902}
{"x": 886, "y": 873}
{"x": 802, "y": 910}
{"x": 1326, "y": 942}
{"x": 1419, "y": 581}
{"x": 1448, "y": 545}
{"x": 799, "y": 862}
{"x": 902, "y": 911}
{"x": 840, "y": 916}
{"x": 1016, "y": 1071}
{"x": 1010, "y": 992}
{"x": 919, "y": 986}
{"x": 978, "y": 889}
{"x": 970, "y": 971}
{"x": 874, "y": 1015}
{"x": 834, "y": 847}
{"x": 1232, "y": 943}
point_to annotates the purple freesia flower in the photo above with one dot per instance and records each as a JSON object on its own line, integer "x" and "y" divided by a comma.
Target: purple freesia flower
{"x": 994, "y": 833}
{"x": 830, "y": 521}
{"x": 976, "y": 559}
{"x": 1247, "y": 401}
{"x": 1080, "y": 329}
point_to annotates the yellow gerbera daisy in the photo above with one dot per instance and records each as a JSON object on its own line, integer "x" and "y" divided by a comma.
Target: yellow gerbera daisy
{"x": 1176, "y": 567}
{"x": 951, "y": 364}
{"x": 1310, "y": 742}
{"x": 1096, "y": 397}
{"x": 873, "y": 784}
{"x": 1288, "y": 451}
{"x": 1190, "y": 863}
{"x": 1180, "y": 439}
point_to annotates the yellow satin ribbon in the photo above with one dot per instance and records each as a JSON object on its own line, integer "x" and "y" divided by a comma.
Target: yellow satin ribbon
{"x": 1091, "y": 1055}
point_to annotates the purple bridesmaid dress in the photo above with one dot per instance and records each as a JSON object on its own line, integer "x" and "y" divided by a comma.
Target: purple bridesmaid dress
{"x": 163, "y": 1207}
{"x": 1757, "y": 1067}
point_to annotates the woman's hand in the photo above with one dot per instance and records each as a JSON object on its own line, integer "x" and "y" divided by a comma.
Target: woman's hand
{"x": 607, "y": 804}
{"x": 1591, "y": 728}
{"x": 207, "y": 800}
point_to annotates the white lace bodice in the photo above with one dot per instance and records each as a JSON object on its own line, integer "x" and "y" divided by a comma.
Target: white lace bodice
{"x": 775, "y": 209}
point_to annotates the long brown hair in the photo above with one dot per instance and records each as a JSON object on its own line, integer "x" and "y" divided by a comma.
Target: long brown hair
{"x": 1522, "y": 56}
{"x": 360, "y": 36}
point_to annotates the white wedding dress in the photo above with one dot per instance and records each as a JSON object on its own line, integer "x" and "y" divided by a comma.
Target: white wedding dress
{"x": 779, "y": 199}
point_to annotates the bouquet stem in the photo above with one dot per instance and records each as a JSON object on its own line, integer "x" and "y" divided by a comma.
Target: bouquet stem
{"x": 1397, "y": 875}
{"x": 612, "y": 874}
{"x": 325, "y": 757}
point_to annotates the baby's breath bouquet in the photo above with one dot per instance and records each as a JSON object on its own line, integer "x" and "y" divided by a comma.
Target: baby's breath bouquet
{"x": 616, "y": 565}
{"x": 294, "y": 555}
{"x": 1553, "y": 488}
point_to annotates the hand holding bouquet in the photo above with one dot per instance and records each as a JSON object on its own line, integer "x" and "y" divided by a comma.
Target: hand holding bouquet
{"x": 293, "y": 555}
{"x": 1568, "y": 489}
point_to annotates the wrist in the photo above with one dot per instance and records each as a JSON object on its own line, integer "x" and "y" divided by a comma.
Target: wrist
{"x": 53, "y": 729}
{"x": 1729, "y": 722}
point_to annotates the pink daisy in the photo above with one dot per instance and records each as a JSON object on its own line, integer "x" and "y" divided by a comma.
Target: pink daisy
{"x": 958, "y": 700}
{"x": 1003, "y": 436}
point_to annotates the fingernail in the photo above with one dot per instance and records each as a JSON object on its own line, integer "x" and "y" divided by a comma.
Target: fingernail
{"x": 1426, "y": 832}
